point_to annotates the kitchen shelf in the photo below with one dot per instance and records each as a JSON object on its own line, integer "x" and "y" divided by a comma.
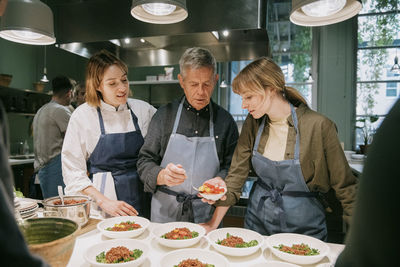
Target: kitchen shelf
{"x": 154, "y": 82}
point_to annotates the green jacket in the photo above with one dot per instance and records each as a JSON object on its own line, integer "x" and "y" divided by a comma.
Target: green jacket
{"x": 322, "y": 159}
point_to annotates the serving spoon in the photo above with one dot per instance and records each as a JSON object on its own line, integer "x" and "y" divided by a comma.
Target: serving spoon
{"x": 60, "y": 194}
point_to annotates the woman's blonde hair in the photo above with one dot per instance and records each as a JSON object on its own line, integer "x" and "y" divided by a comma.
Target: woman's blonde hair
{"x": 97, "y": 66}
{"x": 264, "y": 74}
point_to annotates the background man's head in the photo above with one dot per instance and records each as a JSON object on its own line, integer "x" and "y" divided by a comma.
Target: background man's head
{"x": 62, "y": 89}
{"x": 198, "y": 76}
{"x": 79, "y": 94}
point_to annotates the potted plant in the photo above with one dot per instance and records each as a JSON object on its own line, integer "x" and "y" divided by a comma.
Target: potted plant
{"x": 367, "y": 131}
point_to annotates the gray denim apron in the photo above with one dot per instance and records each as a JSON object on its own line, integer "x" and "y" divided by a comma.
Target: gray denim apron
{"x": 198, "y": 156}
{"x": 280, "y": 201}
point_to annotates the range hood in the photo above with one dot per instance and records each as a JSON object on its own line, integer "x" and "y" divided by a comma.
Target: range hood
{"x": 86, "y": 26}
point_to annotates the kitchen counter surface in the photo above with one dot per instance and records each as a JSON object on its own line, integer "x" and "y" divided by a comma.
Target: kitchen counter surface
{"x": 84, "y": 241}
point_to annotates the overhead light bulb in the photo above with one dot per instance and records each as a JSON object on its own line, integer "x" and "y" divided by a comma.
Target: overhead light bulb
{"x": 127, "y": 40}
{"x": 28, "y": 22}
{"x": 44, "y": 78}
{"x": 323, "y": 8}
{"x": 223, "y": 84}
{"x": 159, "y": 9}
{"x": 395, "y": 68}
{"x": 142, "y": 40}
{"x": 225, "y": 33}
{"x": 323, "y": 12}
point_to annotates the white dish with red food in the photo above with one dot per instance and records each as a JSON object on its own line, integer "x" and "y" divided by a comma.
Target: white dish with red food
{"x": 211, "y": 192}
{"x": 117, "y": 252}
{"x": 178, "y": 234}
{"x": 123, "y": 226}
{"x": 297, "y": 248}
{"x": 176, "y": 257}
{"x": 234, "y": 241}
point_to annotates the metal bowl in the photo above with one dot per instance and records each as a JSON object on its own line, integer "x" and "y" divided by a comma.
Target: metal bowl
{"x": 77, "y": 212}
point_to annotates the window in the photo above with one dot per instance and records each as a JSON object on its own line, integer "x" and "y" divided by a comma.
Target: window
{"x": 378, "y": 45}
{"x": 291, "y": 49}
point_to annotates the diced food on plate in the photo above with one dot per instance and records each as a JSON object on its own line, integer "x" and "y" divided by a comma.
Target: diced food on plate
{"x": 207, "y": 188}
{"x": 68, "y": 201}
{"x": 124, "y": 226}
{"x": 118, "y": 254}
{"x": 180, "y": 233}
{"x": 298, "y": 249}
{"x": 193, "y": 263}
{"x": 236, "y": 242}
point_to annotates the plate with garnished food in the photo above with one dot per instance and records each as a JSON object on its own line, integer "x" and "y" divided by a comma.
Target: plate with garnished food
{"x": 123, "y": 226}
{"x": 178, "y": 234}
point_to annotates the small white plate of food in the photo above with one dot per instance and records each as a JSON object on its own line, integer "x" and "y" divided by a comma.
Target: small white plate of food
{"x": 117, "y": 252}
{"x": 123, "y": 226}
{"x": 178, "y": 234}
{"x": 193, "y": 257}
{"x": 234, "y": 241}
{"x": 211, "y": 192}
{"x": 297, "y": 248}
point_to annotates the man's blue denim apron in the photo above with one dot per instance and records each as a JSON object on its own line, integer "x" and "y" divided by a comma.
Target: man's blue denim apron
{"x": 280, "y": 201}
{"x": 118, "y": 153}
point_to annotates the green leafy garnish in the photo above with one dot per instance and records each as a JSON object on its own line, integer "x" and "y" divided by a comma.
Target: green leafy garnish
{"x": 251, "y": 243}
{"x": 101, "y": 257}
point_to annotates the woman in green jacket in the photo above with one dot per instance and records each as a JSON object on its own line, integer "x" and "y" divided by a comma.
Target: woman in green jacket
{"x": 295, "y": 153}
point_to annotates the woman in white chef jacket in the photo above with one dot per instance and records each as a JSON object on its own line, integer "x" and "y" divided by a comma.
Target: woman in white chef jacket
{"x": 103, "y": 139}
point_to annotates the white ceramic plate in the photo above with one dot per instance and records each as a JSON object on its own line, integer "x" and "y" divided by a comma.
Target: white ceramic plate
{"x": 103, "y": 225}
{"x": 175, "y": 257}
{"x": 131, "y": 244}
{"x": 213, "y": 197}
{"x": 291, "y": 239}
{"x": 168, "y": 227}
{"x": 274, "y": 264}
{"x": 247, "y": 235}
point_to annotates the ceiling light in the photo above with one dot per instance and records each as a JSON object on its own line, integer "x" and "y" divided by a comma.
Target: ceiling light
{"x": 323, "y": 12}
{"x": 395, "y": 68}
{"x": 127, "y": 40}
{"x": 223, "y": 84}
{"x": 159, "y": 11}
{"x": 142, "y": 40}
{"x": 28, "y": 22}
{"x": 225, "y": 33}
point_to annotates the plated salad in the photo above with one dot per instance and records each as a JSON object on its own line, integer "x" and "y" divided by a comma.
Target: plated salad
{"x": 236, "y": 242}
{"x": 180, "y": 233}
{"x": 298, "y": 249}
{"x": 124, "y": 226}
{"x": 118, "y": 255}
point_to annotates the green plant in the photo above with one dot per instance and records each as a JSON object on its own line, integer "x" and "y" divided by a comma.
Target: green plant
{"x": 368, "y": 130}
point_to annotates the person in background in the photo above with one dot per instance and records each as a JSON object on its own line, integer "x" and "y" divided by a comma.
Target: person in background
{"x": 295, "y": 153}
{"x": 79, "y": 94}
{"x": 189, "y": 141}
{"x": 375, "y": 234}
{"x": 13, "y": 249}
{"x": 104, "y": 137}
{"x": 49, "y": 126}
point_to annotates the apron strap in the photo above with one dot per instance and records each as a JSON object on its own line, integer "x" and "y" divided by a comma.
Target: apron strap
{"x": 295, "y": 123}
{"x": 134, "y": 120}
{"x": 101, "y": 121}
{"x": 178, "y": 117}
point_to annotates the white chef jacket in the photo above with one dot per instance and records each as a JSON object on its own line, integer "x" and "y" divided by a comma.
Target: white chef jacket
{"x": 83, "y": 133}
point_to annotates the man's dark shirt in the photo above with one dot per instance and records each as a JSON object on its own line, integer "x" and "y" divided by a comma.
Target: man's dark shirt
{"x": 192, "y": 123}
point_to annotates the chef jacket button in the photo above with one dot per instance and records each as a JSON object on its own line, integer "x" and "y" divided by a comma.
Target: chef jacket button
{"x": 187, "y": 108}
{"x": 196, "y": 132}
{"x": 216, "y": 137}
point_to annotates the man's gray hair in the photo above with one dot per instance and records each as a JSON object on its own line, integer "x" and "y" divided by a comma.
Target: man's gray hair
{"x": 195, "y": 58}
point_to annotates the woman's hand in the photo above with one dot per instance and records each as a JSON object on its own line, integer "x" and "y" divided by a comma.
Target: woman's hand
{"x": 208, "y": 226}
{"x": 172, "y": 175}
{"x": 216, "y": 181}
{"x": 116, "y": 207}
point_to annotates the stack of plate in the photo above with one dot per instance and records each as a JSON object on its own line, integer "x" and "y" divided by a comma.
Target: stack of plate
{"x": 27, "y": 209}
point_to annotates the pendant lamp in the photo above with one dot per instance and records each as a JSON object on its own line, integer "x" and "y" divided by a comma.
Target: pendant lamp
{"x": 159, "y": 11}
{"x": 395, "y": 68}
{"x": 28, "y": 22}
{"x": 44, "y": 78}
{"x": 323, "y": 12}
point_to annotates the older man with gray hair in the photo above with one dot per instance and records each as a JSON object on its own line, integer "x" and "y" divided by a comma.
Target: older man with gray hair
{"x": 188, "y": 142}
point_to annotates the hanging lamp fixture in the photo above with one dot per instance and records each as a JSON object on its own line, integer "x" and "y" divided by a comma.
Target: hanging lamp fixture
{"x": 159, "y": 11}
{"x": 28, "y": 22}
{"x": 395, "y": 68}
{"x": 44, "y": 78}
{"x": 323, "y": 12}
